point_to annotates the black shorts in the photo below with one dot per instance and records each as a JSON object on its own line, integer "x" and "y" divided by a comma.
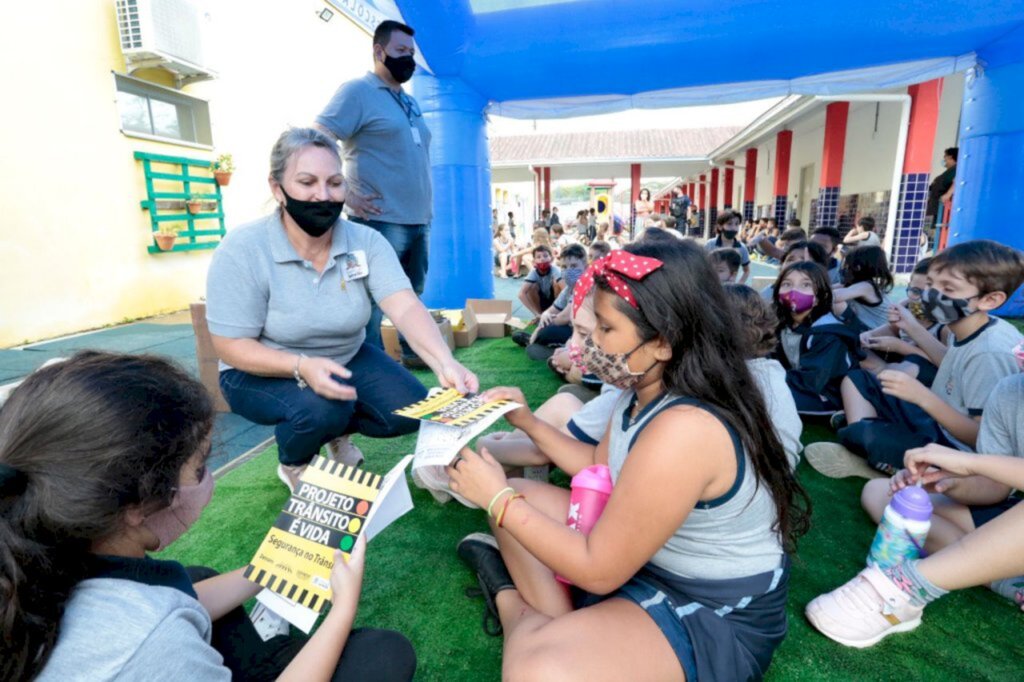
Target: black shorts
{"x": 983, "y": 513}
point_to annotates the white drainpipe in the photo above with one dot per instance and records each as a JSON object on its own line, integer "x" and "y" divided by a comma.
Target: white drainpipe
{"x": 901, "y": 152}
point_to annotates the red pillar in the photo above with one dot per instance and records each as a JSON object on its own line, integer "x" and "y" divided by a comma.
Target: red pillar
{"x": 713, "y": 200}
{"x": 836, "y": 115}
{"x": 692, "y": 191}
{"x": 910, "y": 211}
{"x": 783, "y": 147}
{"x": 750, "y": 183}
{"x": 701, "y": 204}
{"x": 727, "y": 199}
{"x": 547, "y": 187}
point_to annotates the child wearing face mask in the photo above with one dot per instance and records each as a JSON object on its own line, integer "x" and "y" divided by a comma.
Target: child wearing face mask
{"x": 704, "y": 507}
{"x": 543, "y": 283}
{"x": 816, "y": 349}
{"x": 893, "y": 412}
{"x": 727, "y": 225}
{"x": 911, "y": 341}
{"x": 86, "y": 493}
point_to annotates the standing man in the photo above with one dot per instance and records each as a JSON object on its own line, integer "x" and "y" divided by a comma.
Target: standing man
{"x": 386, "y": 151}
{"x": 680, "y": 205}
{"x": 553, "y": 220}
{"x": 940, "y": 190}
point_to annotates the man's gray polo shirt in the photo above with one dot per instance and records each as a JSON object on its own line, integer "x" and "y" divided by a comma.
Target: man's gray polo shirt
{"x": 259, "y": 288}
{"x": 380, "y": 151}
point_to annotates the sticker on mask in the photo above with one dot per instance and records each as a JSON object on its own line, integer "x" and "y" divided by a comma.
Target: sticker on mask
{"x": 355, "y": 265}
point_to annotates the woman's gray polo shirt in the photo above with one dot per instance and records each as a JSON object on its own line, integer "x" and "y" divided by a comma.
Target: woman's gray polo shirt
{"x": 259, "y": 288}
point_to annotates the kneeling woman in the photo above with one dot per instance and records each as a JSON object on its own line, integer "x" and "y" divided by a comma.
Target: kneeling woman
{"x": 288, "y": 300}
{"x": 102, "y": 459}
{"x": 686, "y": 573}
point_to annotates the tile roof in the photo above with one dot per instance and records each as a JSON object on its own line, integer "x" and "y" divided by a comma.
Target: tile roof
{"x": 625, "y": 145}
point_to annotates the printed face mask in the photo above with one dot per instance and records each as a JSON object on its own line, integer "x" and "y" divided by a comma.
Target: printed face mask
{"x": 400, "y": 68}
{"x": 576, "y": 356}
{"x": 543, "y": 268}
{"x": 170, "y": 523}
{"x": 611, "y": 368}
{"x": 797, "y": 301}
{"x": 313, "y": 217}
{"x": 1018, "y": 352}
{"x": 944, "y": 309}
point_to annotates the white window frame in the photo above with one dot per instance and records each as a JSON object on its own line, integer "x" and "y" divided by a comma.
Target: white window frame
{"x": 199, "y": 108}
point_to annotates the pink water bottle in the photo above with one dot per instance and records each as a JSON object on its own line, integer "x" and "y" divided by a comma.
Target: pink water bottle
{"x": 589, "y": 493}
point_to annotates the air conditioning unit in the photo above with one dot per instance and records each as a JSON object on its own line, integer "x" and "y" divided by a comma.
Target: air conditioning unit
{"x": 165, "y": 34}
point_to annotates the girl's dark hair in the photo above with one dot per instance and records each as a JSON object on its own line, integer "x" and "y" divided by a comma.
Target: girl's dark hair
{"x": 757, "y": 319}
{"x": 868, "y": 264}
{"x": 640, "y": 194}
{"x": 815, "y": 250}
{"x": 86, "y": 439}
{"x": 683, "y": 303}
{"x": 822, "y": 291}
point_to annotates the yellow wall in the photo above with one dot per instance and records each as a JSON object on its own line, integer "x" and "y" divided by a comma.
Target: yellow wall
{"x": 73, "y": 239}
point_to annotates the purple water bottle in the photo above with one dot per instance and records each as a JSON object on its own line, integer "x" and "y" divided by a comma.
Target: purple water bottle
{"x": 903, "y": 529}
{"x": 588, "y": 495}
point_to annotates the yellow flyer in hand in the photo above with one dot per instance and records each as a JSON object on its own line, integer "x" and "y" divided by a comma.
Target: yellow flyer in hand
{"x": 451, "y": 408}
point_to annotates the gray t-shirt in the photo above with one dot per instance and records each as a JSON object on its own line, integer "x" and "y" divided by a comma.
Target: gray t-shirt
{"x": 259, "y": 288}
{"x": 115, "y": 629}
{"x": 716, "y": 243}
{"x": 972, "y": 367}
{"x": 589, "y": 424}
{"x": 382, "y": 153}
{"x": 771, "y": 379}
{"x": 1002, "y": 427}
{"x": 545, "y": 282}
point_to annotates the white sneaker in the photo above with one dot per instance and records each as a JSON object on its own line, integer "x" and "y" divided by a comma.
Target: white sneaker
{"x": 289, "y": 475}
{"x": 835, "y": 461}
{"x": 864, "y": 611}
{"x": 440, "y": 496}
{"x": 344, "y": 451}
{"x": 267, "y": 623}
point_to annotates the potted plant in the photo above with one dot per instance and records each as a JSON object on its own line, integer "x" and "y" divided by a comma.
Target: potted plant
{"x": 196, "y": 203}
{"x": 223, "y": 167}
{"x": 166, "y": 235}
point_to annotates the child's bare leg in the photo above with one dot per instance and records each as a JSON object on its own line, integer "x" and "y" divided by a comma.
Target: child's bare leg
{"x": 992, "y": 552}
{"x": 530, "y": 296}
{"x": 856, "y": 406}
{"x": 872, "y": 362}
{"x": 950, "y": 522}
{"x": 516, "y": 448}
{"x": 905, "y": 367}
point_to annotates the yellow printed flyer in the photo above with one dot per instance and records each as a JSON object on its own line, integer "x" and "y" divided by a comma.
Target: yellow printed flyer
{"x": 450, "y": 407}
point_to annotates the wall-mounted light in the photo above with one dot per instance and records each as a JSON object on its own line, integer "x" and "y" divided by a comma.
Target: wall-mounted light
{"x": 325, "y": 15}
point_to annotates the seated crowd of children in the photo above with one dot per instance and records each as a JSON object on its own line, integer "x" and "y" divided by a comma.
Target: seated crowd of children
{"x": 685, "y": 572}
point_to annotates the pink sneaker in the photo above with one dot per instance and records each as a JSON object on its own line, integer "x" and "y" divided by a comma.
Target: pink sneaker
{"x": 864, "y": 611}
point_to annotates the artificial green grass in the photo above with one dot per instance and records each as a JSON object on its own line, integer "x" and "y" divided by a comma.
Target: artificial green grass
{"x": 414, "y": 583}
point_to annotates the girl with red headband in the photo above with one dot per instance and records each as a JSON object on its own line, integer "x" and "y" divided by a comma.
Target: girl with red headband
{"x": 685, "y": 573}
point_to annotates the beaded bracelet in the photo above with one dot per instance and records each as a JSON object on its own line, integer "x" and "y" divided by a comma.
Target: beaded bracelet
{"x": 504, "y": 509}
{"x": 490, "y": 507}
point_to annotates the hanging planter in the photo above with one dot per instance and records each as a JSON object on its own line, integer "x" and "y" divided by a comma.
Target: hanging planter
{"x": 196, "y": 204}
{"x": 166, "y": 236}
{"x": 223, "y": 167}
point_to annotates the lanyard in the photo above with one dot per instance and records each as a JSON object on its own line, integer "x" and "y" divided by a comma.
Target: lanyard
{"x": 408, "y": 107}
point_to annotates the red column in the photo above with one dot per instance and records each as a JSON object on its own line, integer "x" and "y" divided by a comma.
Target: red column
{"x": 727, "y": 199}
{"x": 836, "y": 115}
{"x": 783, "y": 147}
{"x": 547, "y": 187}
{"x": 917, "y": 163}
{"x": 701, "y": 204}
{"x": 634, "y": 185}
{"x": 750, "y": 184}
{"x": 713, "y": 200}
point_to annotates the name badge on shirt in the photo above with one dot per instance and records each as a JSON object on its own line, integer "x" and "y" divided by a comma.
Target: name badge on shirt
{"x": 355, "y": 265}
{"x": 416, "y": 135}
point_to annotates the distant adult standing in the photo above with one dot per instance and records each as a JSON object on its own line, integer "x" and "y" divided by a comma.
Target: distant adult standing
{"x": 511, "y": 224}
{"x": 644, "y": 208}
{"x": 941, "y": 188}
{"x": 554, "y": 220}
{"x": 680, "y": 205}
{"x": 386, "y": 151}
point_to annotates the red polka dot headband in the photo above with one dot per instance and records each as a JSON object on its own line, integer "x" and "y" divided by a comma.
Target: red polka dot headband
{"x": 610, "y": 267}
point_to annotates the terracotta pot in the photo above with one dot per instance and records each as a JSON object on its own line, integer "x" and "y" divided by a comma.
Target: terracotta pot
{"x": 195, "y": 207}
{"x": 223, "y": 178}
{"x": 165, "y": 242}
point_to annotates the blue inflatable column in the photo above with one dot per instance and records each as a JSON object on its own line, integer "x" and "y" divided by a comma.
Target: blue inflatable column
{"x": 990, "y": 169}
{"x": 460, "y": 236}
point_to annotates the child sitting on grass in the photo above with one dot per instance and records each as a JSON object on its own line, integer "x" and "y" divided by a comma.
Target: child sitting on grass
{"x": 543, "y": 283}
{"x": 685, "y": 574}
{"x": 893, "y": 412}
{"x": 862, "y": 301}
{"x": 816, "y": 349}
{"x": 976, "y": 537}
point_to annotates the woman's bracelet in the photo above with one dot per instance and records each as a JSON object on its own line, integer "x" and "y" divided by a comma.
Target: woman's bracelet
{"x": 298, "y": 377}
{"x": 504, "y": 509}
{"x": 490, "y": 507}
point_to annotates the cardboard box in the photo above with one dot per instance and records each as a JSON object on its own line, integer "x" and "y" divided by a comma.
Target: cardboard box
{"x": 206, "y": 358}
{"x": 389, "y": 335}
{"x": 491, "y": 316}
{"x": 464, "y": 326}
